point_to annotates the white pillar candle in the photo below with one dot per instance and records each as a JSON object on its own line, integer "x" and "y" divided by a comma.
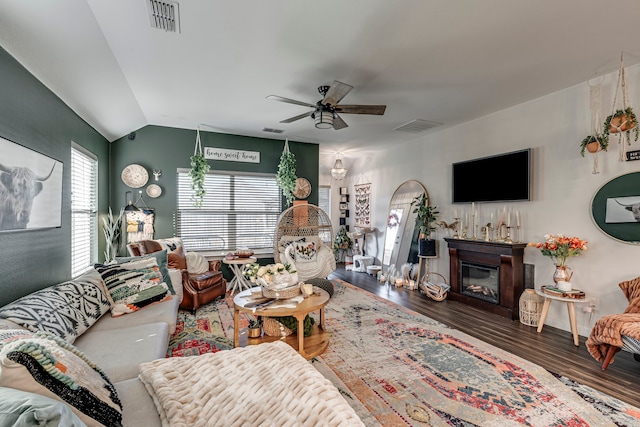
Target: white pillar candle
{"x": 492, "y": 218}
{"x": 509, "y": 219}
{"x": 517, "y": 218}
{"x": 455, "y": 213}
{"x": 473, "y": 208}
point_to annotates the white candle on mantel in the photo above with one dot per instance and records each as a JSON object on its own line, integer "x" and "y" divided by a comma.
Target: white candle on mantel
{"x": 518, "y": 219}
{"x": 509, "y": 219}
{"x": 455, "y": 213}
{"x": 491, "y": 219}
{"x": 473, "y": 208}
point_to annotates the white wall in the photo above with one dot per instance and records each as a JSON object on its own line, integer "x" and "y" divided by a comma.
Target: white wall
{"x": 563, "y": 185}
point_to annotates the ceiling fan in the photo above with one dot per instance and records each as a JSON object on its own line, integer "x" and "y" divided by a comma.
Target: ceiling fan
{"x": 325, "y": 112}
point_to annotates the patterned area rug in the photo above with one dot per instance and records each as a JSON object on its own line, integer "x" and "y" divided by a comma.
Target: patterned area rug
{"x": 396, "y": 367}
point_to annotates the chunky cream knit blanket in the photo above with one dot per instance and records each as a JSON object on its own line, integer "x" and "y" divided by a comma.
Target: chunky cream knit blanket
{"x": 262, "y": 385}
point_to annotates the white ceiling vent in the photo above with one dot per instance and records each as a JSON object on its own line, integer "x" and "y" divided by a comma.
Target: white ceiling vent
{"x": 417, "y": 126}
{"x": 164, "y": 15}
{"x": 272, "y": 130}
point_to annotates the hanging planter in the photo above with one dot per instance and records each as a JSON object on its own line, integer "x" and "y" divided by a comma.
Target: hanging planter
{"x": 622, "y": 120}
{"x": 593, "y": 144}
{"x": 286, "y": 177}
{"x": 198, "y": 172}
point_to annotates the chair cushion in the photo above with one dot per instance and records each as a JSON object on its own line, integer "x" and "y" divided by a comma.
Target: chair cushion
{"x": 133, "y": 285}
{"x": 149, "y": 246}
{"x": 65, "y": 310}
{"x": 206, "y": 280}
{"x": 26, "y": 359}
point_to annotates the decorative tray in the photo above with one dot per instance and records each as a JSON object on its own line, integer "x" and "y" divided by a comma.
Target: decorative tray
{"x": 573, "y": 293}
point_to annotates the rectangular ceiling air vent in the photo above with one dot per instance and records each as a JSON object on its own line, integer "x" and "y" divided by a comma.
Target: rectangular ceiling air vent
{"x": 271, "y": 130}
{"x": 164, "y": 15}
{"x": 417, "y": 126}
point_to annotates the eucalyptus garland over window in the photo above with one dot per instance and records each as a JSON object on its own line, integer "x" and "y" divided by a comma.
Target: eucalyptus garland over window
{"x": 286, "y": 177}
{"x": 199, "y": 169}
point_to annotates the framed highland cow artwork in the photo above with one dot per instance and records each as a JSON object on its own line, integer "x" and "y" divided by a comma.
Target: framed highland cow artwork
{"x": 30, "y": 188}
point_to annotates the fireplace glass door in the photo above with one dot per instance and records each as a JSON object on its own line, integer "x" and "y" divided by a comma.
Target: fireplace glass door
{"x": 482, "y": 282}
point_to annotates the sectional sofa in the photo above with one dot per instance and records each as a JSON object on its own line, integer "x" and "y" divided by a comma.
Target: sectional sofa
{"x": 78, "y": 312}
{"x": 71, "y": 354}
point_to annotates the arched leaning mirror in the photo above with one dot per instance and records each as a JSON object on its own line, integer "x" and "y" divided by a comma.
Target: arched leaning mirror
{"x": 401, "y": 224}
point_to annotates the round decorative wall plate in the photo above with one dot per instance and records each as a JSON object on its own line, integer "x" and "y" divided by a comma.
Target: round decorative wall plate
{"x": 135, "y": 176}
{"x": 154, "y": 191}
{"x": 303, "y": 188}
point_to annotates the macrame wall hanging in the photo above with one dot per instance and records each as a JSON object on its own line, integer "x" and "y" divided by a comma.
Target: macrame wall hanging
{"x": 622, "y": 119}
{"x": 595, "y": 104}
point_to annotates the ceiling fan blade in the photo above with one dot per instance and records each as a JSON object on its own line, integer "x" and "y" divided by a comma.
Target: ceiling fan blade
{"x": 336, "y": 92}
{"x": 338, "y": 123}
{"x": 293, "y": 119}
{"x": 361, "y": 109}
{"x": 290, "y": 101}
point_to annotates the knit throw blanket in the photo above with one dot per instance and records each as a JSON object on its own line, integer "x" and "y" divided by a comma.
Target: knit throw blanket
{"x": 262, "y": 385}
{"x": 608, "y": 330}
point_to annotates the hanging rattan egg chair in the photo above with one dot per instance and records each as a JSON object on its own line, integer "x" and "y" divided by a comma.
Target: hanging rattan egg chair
{"x": 309, "y": 224}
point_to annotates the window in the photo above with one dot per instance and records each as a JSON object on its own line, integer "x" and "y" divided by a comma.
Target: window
{"x": 84, "y": 209}
{"x": 240, "y": 209}
{"x": 324, "y": 199}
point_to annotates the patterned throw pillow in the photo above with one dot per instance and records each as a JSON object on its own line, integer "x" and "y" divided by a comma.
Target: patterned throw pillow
{"x": 305, "y": 252}
{"x": 44, "y": 364}
{"x": 161, "y": 259}
{"x": 65, "y": 310}
{"x": 133, "y": 285}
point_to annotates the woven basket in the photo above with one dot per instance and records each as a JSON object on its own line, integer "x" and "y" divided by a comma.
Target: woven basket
{"x": 530, "y": 307}
{"x": 273, "y": 328}
{"x": 432, "y": 290}
{"x": 288, "y": 292}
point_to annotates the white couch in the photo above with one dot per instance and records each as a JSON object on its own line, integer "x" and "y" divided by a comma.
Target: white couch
{"x": 118, "y": 345}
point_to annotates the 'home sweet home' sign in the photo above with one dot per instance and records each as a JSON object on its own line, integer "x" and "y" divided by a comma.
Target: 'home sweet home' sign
{"x": 231, "y": 155}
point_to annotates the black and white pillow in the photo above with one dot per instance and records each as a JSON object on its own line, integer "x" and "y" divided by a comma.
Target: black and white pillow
{"x": 66, "y": 310}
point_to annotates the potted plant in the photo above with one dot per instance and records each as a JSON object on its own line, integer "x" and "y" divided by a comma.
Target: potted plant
{"x": 286, "y": 177}
{"x": 425, "y": 221}
{"x": 255, "y": 328}
{"x": 341, "y": 243}
{"x": 594, "y": 143}
{"x": 621, "y": 121}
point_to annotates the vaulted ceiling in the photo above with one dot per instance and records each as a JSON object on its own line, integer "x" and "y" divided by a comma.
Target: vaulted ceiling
{"x": 441, "y": 61}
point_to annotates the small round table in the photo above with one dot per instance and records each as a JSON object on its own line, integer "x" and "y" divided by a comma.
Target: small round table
{"x": 308, "y": 347}
{"x": 237, "y": 264}
{"x": 571, "y": 309}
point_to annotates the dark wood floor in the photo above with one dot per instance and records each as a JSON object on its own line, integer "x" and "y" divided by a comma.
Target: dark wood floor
{"x": 552, "y": 349}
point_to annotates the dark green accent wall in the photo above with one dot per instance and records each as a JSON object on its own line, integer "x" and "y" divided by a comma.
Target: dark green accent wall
{"x": 32, "y": 116}
{"x": 170, "y": 149}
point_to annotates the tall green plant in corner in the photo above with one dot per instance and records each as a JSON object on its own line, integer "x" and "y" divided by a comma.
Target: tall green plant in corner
{"x": 199, "y": 169}
{"x": 286, "y": 177}
{"x": 111, "y": 228}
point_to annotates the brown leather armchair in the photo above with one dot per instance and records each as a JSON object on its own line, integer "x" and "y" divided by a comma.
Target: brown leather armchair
{"x": 199, "y": 289}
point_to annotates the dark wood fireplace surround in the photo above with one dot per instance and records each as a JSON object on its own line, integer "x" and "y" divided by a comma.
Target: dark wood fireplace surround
{"x": 507, "y": 257}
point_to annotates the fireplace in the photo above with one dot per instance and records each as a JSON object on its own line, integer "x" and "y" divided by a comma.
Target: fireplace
{"x": 487, "y": 275}
{"x": 480, "y": 281}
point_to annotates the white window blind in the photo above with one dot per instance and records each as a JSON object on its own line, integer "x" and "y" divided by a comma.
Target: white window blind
{"x": 324, "y": 199}
{"x": 84, "y": 209}
{"x": 238, "y": 210}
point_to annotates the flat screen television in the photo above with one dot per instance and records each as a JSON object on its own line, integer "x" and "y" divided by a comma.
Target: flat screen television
{"x": 503, "y": 177}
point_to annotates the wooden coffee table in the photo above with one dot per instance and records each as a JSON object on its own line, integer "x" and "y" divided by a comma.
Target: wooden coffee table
{"x": 308, "y": 347}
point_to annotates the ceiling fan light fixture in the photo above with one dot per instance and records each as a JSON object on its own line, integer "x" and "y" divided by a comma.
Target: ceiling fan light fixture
{"x": 338, "y": 172}
{"x": 324, "y": 119}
